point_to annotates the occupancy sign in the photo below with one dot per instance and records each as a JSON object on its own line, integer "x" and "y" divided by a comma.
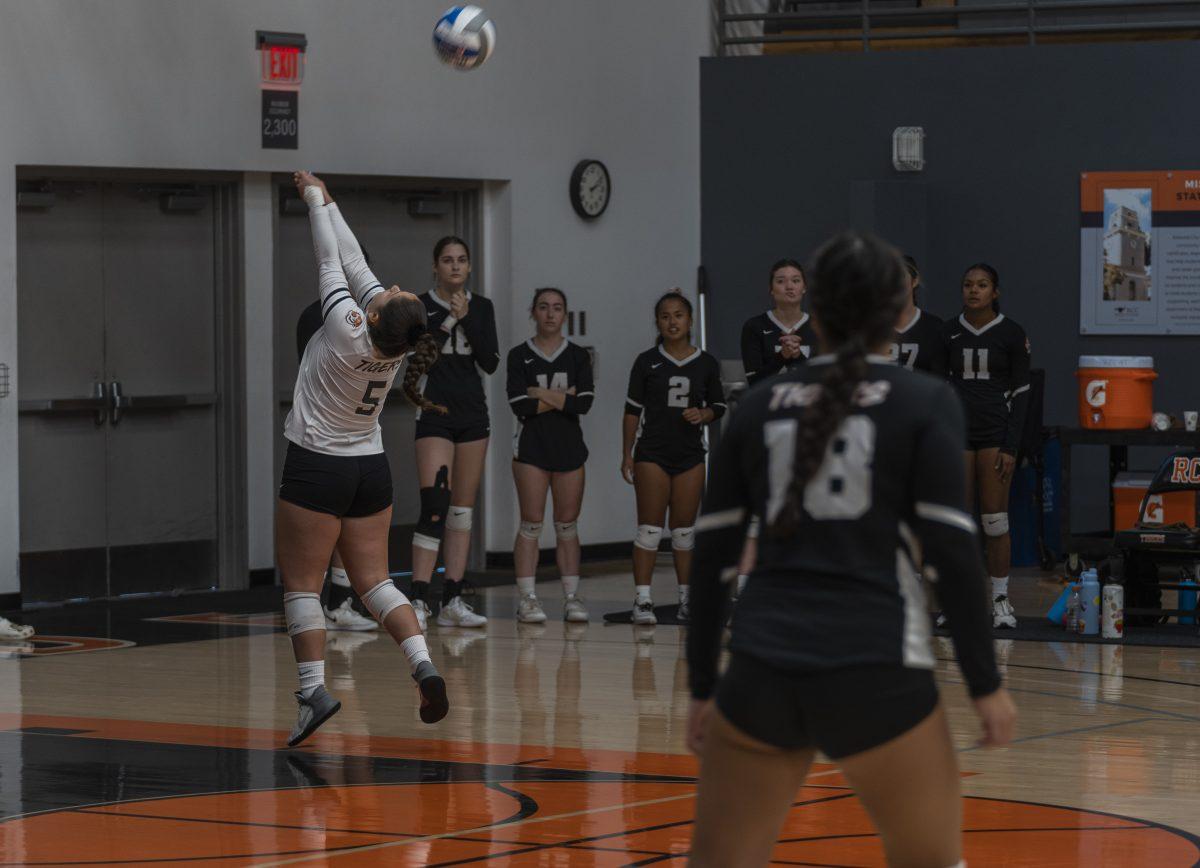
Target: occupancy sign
{"x": 281, "y": 119}
{"x": 1140, "y": 253}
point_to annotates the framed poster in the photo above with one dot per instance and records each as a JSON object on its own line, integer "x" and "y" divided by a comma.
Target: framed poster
{"x": 1139, "y": 253}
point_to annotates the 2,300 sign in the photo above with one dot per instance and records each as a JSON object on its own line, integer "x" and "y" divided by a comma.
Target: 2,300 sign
{"x": 280, "y": 127}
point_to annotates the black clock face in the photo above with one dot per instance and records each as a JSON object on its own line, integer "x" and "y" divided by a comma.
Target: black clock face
{"x": 590, "y": 188}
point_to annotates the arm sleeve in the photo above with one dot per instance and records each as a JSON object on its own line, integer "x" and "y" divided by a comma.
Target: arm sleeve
{"x": 522, "y": 405}
{"x": 949, "y": 541}
{"x": 480, "y": 327}
{"x": 331, "y": 280}
{"x": 720, "y": 533}
{"x": 363, "y": 283}
{"x": 585, "y": 387}
{"x": 752, "y": 356}
{"x": 635, "y": 398}
{"x": 1018, "y": 395}
{"x": 715, "y": 391}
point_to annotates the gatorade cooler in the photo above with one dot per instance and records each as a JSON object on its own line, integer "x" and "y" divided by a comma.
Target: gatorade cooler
{"x": 1167, "y": 508}
{"x": 1116, "y": 391}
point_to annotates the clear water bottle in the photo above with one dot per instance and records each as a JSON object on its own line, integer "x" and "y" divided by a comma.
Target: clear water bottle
{"x": 1073, "y": 600}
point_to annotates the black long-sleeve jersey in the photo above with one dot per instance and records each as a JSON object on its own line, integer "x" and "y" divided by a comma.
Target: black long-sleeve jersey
{"x": 308, "y": 325}
{"x": 470, "y": 349}
{"x": 990, "y": 370}
{"x": 885, "y": 505}
{"x": 660, "y": 389}
{"x": 920, "y": 345}
{"x": 552, "y": 440}
{"x": 761, "y": 348}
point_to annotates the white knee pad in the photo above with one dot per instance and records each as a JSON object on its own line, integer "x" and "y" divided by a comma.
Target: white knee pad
{"x": 531, "y": 530}
{"x": 995, "y": 523}
{"x": 383, "y": 599}
{"x": 565, "y": 530}
{"x": 648, "y": 537}
{"x": 459, "y": 518}
{"x": 754, "y": 528}
{"x": 302, "y": 611}
{"x": 683, "y": 539}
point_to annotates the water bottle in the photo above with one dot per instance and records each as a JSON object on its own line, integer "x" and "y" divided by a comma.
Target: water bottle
{"x": 1073, "y": 610}
{"x": 1089, "y": 598}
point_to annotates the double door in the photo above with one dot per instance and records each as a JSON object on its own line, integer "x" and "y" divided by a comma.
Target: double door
{"x": 119, "y": 395}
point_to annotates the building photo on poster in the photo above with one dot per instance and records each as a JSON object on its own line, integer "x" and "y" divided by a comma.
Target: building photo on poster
{"x": 1139, "y": 253}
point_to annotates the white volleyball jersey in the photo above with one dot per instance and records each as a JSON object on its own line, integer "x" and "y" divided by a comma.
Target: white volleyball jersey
{"x": 341, "y": 387}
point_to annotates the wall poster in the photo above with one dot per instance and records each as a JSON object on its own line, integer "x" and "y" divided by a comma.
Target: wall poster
{"x": 1139, "y": 253}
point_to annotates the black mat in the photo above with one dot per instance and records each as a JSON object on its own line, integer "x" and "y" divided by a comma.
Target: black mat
{"x": 1041, "y": 630}
{"x": 667, "y": 616}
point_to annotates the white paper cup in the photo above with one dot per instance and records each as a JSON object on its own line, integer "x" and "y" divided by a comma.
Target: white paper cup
{"x": 1190, "y": 418}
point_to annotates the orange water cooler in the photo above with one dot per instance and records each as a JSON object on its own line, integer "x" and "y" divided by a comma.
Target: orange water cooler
{"x": 1116, "y": 391}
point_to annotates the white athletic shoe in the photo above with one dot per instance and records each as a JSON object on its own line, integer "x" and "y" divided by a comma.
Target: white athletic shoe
{"x": 458, "y": 613}
{"x": 573, "y": 609}
{"x": 643, "y": 613}
{"x": 421, "y": 610}
{"x": 345, "y": 618}
{"x": 1002, "y": 614}
{"x": 9, "y": 630}
{"x": 939, "y": 620}
{"x": 530, "y": 611}
{"x": 684, "y": 614}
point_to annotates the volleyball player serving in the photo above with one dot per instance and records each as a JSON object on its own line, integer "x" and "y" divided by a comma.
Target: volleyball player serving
{"x": 845, "y": 460}
{"x": 918, "y": 343}
{"x": 674, "y": 391}
{"x": 337, "y": 486}
{"x": 451, "y": 448}
{"x": 549, "y": 388}
{"x": 989, "y": 366}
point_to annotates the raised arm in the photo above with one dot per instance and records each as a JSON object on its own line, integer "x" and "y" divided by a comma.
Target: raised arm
{"x": 363, "y": 282}
{"x": 331, "y": 280}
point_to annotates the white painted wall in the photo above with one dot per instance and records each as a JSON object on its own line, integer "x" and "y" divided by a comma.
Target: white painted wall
{"x": 173, "y": 84}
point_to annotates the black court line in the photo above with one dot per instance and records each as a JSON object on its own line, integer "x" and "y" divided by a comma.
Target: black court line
{"x": 544, "y": 759}
{"x": 623, "y": 832}
{"x": 1062, "y": 732}
{"x": 170, "y": 859}
{"x": 239, "y": 823}
{"x": 1122, "y": 676}
{"x": 527, "y": 806}
{"x": 1139, "y": 828}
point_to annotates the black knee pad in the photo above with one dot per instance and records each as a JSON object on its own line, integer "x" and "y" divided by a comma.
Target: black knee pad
{"x": 435, "y": 503}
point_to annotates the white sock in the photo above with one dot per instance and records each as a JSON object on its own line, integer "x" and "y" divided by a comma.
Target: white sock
{"x": 312, "y": 676}
{"x": 999, "y": 587}
{"x": 643, "y": 593}
{"x": 525, "y": 584}
{"x": 685, "y": 591}
{"x": 741, "y": 584}
{"x": 415, "y": 650}
{"x": 338, "y": 576}
{"x": 570, "y": 585}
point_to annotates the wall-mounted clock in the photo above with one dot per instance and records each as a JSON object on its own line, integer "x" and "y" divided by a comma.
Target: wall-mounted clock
{"x": 591, "y": 188}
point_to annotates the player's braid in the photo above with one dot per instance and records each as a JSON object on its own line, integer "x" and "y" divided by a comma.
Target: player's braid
{"x": 857, "y": 293}
{"x": 426, "y": 351}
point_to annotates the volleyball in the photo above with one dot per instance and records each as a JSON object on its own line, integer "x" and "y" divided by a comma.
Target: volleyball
{"x": 464, "y": 37}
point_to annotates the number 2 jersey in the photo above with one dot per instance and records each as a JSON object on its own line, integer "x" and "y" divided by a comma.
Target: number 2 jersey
{"x": 661, "y": 388}
{"x": 552, "y": 440}
{"x": 341, "y": 385}
{"x": 887, "y": 503}
{"x": 470, "y": 350}
{"x": 990, "y": 369}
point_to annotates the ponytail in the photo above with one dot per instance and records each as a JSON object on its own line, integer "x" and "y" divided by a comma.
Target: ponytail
{"x": 425, "y": 354}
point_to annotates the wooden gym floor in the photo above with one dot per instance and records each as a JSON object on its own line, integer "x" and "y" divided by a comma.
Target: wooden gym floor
{"x": 564, "y": 746}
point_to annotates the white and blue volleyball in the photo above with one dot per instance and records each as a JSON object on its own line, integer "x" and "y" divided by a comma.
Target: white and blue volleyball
{"x": 464, "y": 37}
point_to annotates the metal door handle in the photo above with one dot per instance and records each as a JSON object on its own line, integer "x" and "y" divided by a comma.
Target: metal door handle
{"x": 115, "y": 395}
{"x": 97, "y": 404}
{"x": 101, "y": 392}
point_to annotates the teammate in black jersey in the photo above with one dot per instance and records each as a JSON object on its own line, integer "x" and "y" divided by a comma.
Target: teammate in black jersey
{"x": 674, "y": 391}
{"x": 549, "y": 388}
{"x": 454, "y": 445}
{"x": 989, "y": 365}
{"x": 845, "y": 460}
{"x": 782, "y": 337}
{"x": 336, "y": 488}
{"x": 918, "y": 343}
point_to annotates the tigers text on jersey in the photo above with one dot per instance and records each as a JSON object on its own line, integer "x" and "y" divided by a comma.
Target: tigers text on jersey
{"x": 552, "y": 440}
{"x": 990, "y": 369}
{"x": 761, "y": 347}
{"x": 844, "y": 589}
{"x": 470, "y": 350}
{"x": 660, "y": 389}
{"x": 920, "y": 346}
{"x": 341, "y": 385}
